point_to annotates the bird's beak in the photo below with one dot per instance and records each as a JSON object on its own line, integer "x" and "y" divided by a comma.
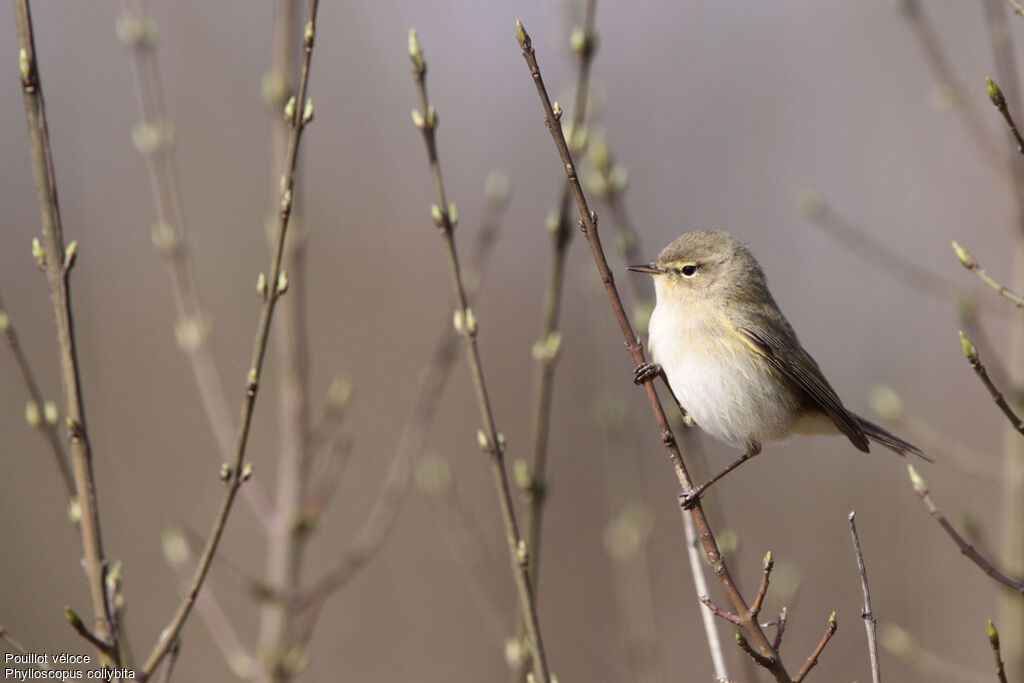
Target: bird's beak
{"x": 650, "y": 268}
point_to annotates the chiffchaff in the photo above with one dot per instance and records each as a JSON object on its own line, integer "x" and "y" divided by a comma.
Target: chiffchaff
{"x": 731, "y": 359}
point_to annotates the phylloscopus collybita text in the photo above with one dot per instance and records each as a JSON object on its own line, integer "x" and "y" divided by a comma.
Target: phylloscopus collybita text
{"x": 731, "y": 359}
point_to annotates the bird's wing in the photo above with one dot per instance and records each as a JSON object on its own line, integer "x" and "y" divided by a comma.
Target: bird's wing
{"x": 788, "y": 357}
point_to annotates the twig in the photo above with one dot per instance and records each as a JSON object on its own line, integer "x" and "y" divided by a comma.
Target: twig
{"x": 172, "y": 659}
{"x": 780, "y": 628}
{"x": 1016, "y": 7}
{"x": 875, "y": 252}
{"x": 6, "y": 636}
{"x": 921, "y": 488}
{"x": 546, "y": 350}
{"x": 701, "y": 584}
{"x": 81, "y": 629}
{"x": 154, "y": 139}
{"x": 993, "y": 641}
{"x": 999, "y": 100}
{"x": 491, "y": 442}
{"x": 39, "y": 417}
{"x": 970, "y": 263}
{"x": 58, "y": 261}
{"x": 588, "y": 224}
{"x": 766, "y": 571}
{"x": 944, "y": 74}
{"x": 301, "y": 115}
{"x": 830, "y": 631}
{"x": 866, "y": 613}
{"x": 979, "y": 369}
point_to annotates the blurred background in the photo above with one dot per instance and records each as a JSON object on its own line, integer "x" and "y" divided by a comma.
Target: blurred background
{"x": 725, "y": 116}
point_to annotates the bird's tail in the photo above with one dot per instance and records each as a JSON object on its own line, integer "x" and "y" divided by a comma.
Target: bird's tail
{"x": 888, "y": 439}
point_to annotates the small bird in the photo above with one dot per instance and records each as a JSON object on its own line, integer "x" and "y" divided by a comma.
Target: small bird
{"x": 731, "y": 359}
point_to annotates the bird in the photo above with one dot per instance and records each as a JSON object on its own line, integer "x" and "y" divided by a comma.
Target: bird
{"x": 731, "y": 359}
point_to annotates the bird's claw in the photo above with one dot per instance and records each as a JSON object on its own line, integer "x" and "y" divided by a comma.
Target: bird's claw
{"x": 690, "y": 499}
{"x": 645, "y": 372}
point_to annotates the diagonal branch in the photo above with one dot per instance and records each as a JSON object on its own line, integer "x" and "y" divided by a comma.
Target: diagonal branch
{"x": 300, "y": 113}
{"x": 588, "y": 224}
{"x": 57, "y": 262}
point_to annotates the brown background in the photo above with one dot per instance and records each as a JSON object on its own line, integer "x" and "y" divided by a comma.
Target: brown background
{"x": 723, "y": 114}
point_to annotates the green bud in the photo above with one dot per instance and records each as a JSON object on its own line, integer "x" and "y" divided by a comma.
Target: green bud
{"x": 553, "y": 222}
{"x": 578, "y": 40}
{"x": 165, "y": 239}
{"x": 482, "y": 440}
{"x": 470, "y": 322}
{"x": 73, "y": 618}
{"x": 289, "y": 109}
{"x": 965, "y": 257}
{"x": 286, "y": 200}
{"x": 415, "y": 52}
{"x": 496, "y": 187}
{"x": 339, "y": 393}
{"x": 137, "y": 30}
{"x": 247, "y": 471}
{"x": 50, "y": 413}
{"x": 768, "y": 558}
{"x": 832, "y": 621}
{"x": 38, "y": 253}
{"x": 70, "y": 254}
{"x": 307, "y": 35}
{"x": 993, "y": 635}
{"x": 74, "y": 511}
{"x": 191, "y": 332}
{"x": 459, "y": 321}
{"x": 599, "y": 154}
{"x": 23, "y": 63}
{"x": 618, "y": 178}
{"x": 175, "y": 547}
{"x": 995, "y": 93}
{"x": 150, "y": 137}
{"x": 453, "y": 214}
{"x": 916, "y": 481}
{"x": 556, "y": 109}
{"x": 968, "y": 347}
{"x": 522, "y": 553}
{"x": 5, "y": 323}
{"x": 522, "y": 36}
{"x": 274, "y": 87}
{"x": 810, "y": 204}
{"x": 514, "y": 653}
{"x": 261, "y": 286}
{"x": 431, "y": 117}
{"x": 307, "y": 112}
{"x": 437, "y": 215}
{"x": 32, "y": 415}
{"x": 225, "y": 471}
{"x": 254, "y": 377}
{"x": 282, "y": 282}
{"x": 597, "y": 184}
{"x": 886, "y": 403}
{"x": 521, "y": 474}
{"x": 417, "y": 119}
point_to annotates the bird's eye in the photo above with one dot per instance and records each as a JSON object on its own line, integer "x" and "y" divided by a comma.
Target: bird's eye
{"x": 689, "y": 270}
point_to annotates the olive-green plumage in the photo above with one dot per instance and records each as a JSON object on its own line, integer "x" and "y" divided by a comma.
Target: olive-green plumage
{"x": 731, "y": 358}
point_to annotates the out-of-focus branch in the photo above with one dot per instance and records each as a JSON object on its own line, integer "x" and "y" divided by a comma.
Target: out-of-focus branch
{"x": 57, "y": 261}
{"x": 491, "y": 442}
{"x": 979, "y": 369}
{"x": 40, "y": 414}
{"x": 153, "y": 137}
{"x": 300, "y": 114}
{"x": 968, "y": 261}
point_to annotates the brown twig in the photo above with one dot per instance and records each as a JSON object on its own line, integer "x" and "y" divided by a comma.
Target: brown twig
{"x": 11, "y": 641}
{"x": 812, "y": 661}
{"x": 491, "y": 441}
{"x": 37, "y": 414}
{"x": 766, "y": 572}
{"x": 588, "y": 224}
{"x": 993, "y": 641}
{"x": 970, "y": 263}
{"x": 273, "y": 287}
{"x": 57, "y": 260}
{"x": 780, "y": 628}
{"x": 921, "y": 488}
{"x": 979, "y": 369}
{"x": 154, "y": 139}
{"x": 866, "y": 613}
{"x": 944, "y": 74}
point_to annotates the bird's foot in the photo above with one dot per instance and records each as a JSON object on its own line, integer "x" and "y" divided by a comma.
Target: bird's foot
{"x": 646, "y": 371}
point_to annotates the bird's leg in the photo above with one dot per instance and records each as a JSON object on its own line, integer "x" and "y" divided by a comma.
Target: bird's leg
{"x": 689, "y": 499}
{"x": 646, "y": 371}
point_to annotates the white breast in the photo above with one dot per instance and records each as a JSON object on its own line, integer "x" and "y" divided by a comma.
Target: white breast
{"x": 730, "y": 392}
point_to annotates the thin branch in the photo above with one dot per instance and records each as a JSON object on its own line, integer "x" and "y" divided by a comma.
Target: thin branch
{"x": 300, "y": 115}
{"x": 944, "y": 74}
{"x": 588, "y": 224}
{"x": 979, "y": 369}
{"x": 812, "y": 661}
{"x": 970, "y": 263}
{"x": 995, "y": 94}
{"x": 37, "y": 414}
{"x": 921, "y": 488}
{"x": 154, "y": 138}
{"x": 701, "y": 584}
{"x": 491, "y": 441}
{"x": 172, "y": 659}
{"x": 6, "y": 637}
{"x": 866, "y": 613}
{"x": 546, "y": 350}
{"x": 766, "y": 571}
{"x": 993, "y": 641}
{"x": 1016, "y": 7}
{"x": 57, "y": 262}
